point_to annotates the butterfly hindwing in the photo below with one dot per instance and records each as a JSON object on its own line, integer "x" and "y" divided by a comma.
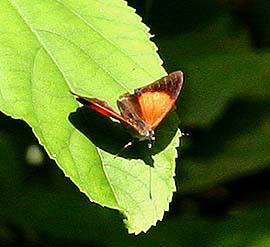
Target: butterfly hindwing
{"x": 130, "y": 109}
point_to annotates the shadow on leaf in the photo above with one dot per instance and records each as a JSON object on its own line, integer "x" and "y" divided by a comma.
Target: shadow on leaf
{"x": 111, "y": 136}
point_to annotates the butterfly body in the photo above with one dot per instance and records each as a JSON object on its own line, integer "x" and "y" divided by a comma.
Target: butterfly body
{"x": 143, "y": 110}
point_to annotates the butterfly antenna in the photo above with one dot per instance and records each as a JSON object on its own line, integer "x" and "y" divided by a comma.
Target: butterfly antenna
{"x": 123, "y": 148}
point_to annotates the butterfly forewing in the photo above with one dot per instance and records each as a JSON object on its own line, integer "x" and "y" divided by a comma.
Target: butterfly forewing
{"x": 154, "y": 107}
{"x": 155, "y": 101}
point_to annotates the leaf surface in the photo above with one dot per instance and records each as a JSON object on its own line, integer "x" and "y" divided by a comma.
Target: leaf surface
{"x": 97, "y": 49}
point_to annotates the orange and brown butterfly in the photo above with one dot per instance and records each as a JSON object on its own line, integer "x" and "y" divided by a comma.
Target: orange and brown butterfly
{"x": 143, "y": 110}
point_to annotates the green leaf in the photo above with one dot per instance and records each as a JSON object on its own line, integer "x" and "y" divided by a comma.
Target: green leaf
{"x": 100, "y": 49}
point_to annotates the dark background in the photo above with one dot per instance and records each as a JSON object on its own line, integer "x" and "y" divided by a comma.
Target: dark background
{"x": 222, "y": 175}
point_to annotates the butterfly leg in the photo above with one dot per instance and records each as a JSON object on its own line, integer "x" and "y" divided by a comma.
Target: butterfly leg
{"x": 126, "y": 146}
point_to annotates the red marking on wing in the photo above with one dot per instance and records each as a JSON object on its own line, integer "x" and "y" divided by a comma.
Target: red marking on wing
{"x": 101, "y": 107}
{"x": 104, "y": 111}
{"x": 155, "y": 106}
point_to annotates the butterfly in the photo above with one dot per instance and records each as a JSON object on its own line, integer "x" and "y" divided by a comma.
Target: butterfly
{"x": 143, "y": 110}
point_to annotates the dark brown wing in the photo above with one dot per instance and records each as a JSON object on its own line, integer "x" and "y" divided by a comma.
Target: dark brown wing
{"x": 170, "y": 84}
{"x": 149, "y": 105}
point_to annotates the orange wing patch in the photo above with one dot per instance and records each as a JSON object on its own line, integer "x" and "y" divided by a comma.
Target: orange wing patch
{"x": 155, "y": 106}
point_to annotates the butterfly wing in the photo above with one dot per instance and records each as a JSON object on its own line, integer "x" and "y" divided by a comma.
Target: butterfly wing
{"x": 149, "y": 105}
{"x": 101, "y": 107}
